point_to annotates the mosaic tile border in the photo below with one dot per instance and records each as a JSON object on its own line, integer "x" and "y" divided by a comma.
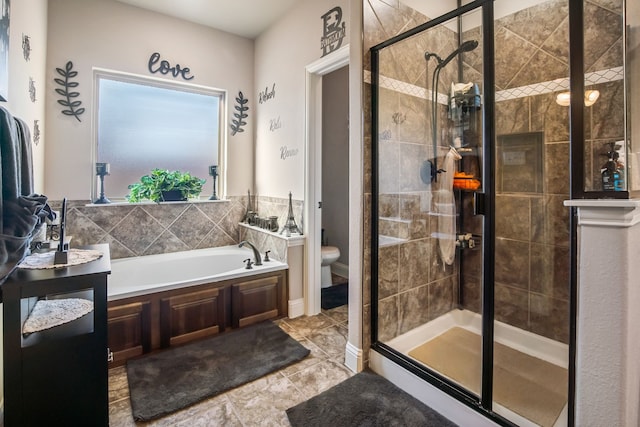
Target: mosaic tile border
{"x": 596, "y": 77}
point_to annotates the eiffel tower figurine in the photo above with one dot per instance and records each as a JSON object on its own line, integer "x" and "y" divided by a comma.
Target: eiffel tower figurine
{"x": 290, "y": 226}
{"x": 249, "y": 213}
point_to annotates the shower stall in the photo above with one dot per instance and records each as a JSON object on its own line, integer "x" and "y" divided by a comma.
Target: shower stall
{"x": 471, "y": 245}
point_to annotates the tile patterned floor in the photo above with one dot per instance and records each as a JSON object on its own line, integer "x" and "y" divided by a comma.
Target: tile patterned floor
{"x": 262, "y": 402}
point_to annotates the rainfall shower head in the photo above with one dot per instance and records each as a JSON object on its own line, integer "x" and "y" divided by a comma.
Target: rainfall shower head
{"x": 467, "y": 46}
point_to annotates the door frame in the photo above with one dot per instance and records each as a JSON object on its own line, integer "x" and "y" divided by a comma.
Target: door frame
{"x": 313, "y": 168}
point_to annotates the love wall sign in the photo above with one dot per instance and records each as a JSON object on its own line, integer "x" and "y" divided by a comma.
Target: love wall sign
{"x": 157, "y": 65}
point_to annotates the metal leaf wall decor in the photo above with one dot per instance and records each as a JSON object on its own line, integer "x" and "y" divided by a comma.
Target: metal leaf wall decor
{"x": 72, "y": 106}
{"x": 240, "y": 114}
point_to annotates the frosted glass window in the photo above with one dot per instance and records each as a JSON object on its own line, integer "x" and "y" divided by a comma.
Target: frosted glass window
{"x": 144, "y": 125}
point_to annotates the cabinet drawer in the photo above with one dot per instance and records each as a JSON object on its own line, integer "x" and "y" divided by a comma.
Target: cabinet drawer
{"x": 191, "y": 316}
{"x": 256, "y": 300}
{"x": 129, "y": 330}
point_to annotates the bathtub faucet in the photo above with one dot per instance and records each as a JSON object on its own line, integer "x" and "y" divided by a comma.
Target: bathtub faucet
{"x": 256, "y": 252}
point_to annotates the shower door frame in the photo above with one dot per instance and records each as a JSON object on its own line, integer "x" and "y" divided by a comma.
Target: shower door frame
{"x": 485, "y": 201}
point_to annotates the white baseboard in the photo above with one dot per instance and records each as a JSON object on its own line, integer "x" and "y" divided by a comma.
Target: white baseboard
{"x": 353, "y": 358}
{"x": 340, "y": 269}
{"x": 296, "y": 308}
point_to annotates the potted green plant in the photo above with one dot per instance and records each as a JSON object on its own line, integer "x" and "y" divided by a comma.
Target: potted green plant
{"x": 162, "y": 185}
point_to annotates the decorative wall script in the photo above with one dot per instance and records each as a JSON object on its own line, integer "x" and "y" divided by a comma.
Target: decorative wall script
{"x": 287, "y": 152}
{"x": 267, "y": 94}
{"x": 275, "y": 124}
{"x": 333, "y": 32}
{"x": 164, "y": 67}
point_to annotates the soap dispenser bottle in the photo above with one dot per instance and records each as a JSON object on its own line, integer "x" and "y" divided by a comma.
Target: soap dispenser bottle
{"x": 608, "y": 172}
{"x": 612, "y": 170}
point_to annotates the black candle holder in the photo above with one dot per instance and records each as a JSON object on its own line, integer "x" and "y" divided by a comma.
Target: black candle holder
{"x": 102, "y": 169}
{"x": 213, "y": 171}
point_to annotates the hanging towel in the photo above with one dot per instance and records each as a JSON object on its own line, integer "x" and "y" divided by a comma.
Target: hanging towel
{"x": 21, "y": 210}
{"x": 26, "y": 158}
{"x": 445, "y": 205}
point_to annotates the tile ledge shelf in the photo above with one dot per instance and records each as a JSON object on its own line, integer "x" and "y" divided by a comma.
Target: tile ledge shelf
{"x": 607, "y": 212}
{"x": 125, "y": 203}
{"x": 293, "y": 240}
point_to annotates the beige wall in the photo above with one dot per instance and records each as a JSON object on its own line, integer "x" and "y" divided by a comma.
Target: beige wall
{"x": 282, "y": 53}
{"x": 112, "y": 35}
{"x": 29, "y": 17}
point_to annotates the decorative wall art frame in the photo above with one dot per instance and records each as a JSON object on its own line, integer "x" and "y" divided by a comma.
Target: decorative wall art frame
{"x": 72, "y": 105}
{"x": 333, "y": 30}
{"x": 240, "y": 114}
{"x": 4, "y": 49}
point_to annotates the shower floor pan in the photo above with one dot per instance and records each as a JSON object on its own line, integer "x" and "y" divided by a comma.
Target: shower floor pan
{"x": 530, "y": 371}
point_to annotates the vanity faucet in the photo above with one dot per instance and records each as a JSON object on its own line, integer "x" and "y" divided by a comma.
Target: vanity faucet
{"x": 256, "y": 253}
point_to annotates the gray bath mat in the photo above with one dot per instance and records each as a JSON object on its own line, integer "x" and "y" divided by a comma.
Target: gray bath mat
{"x": 167, "y": 381}
{"x": 366, "y": 399}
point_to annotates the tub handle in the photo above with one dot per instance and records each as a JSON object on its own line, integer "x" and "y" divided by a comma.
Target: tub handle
{"x": 249, "y": 263}
{"x": 266, "y": 256}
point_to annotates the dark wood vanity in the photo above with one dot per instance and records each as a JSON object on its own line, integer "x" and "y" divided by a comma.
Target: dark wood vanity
{"x": 145, "y": 323}
{"x": 57, "y": 375}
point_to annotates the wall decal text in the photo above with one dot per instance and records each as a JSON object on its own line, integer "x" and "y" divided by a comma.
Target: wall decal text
{"x": 32, "y": 89}
{"x": 287, "y": 152}
{"x": 36, "y": 132}
{"x": 164, "y": 67}
{"x": 26, "y": 47}
{"x": 275, "y": 124}
{"x": 267, "y": 94}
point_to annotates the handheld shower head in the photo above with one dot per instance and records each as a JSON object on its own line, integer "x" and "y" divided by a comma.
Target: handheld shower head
{"x": 467, "y": 46}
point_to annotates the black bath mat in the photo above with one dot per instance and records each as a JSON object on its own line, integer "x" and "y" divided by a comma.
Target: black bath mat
{"x": 173, "y": 379}
{"x": 366, "y": 399}
{"x": 334, "y": 296}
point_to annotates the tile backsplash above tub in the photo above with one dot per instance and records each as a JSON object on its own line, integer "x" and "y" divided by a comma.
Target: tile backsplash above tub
{"x": 151, "y": 228}
{"x": 146, "y": 229}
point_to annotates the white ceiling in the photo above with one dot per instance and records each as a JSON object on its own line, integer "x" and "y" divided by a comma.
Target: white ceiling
{"x": 246, "y": 18}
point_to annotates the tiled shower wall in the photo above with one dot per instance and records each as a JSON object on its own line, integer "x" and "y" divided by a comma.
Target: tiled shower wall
{"x": 150, "y": 228}
{"x": 532, "y": 229}
{"x": 532, "y": 232}
{"x": 414, "y": 285}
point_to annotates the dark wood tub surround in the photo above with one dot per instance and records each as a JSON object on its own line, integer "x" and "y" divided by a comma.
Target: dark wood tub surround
{"x": 145, "y": 323}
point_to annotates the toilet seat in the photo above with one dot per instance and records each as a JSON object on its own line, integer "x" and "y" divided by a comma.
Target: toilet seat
{"x": 329, "y": 254}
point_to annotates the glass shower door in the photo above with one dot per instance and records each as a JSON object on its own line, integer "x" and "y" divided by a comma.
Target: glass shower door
{"x": 470, "y": 238}
{"x": 428, "y": 263}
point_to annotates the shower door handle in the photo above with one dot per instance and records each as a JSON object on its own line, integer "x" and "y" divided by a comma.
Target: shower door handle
{"x": 478, "y": 203}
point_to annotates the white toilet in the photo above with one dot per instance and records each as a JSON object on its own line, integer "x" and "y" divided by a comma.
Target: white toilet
{"x": 330, "y": 254}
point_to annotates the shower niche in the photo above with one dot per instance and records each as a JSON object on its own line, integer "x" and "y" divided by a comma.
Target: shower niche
{"x": 470, "y": 241}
